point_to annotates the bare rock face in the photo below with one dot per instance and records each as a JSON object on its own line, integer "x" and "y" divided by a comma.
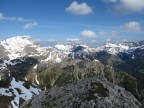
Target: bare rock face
{"x": 3, "y": 53}
{"x": 86, "y": 93}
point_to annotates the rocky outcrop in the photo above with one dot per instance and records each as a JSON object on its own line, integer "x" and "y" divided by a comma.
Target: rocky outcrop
{"x": 49, "y": 75}
{"x": 86, "y": 93}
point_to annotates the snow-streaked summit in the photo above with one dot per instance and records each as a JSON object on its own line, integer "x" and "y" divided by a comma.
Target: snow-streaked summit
{"x": 21, "y": 46}
{"x": 65, "y": 48}
{"x": 15, "y": 45}
{"x": 115, "y": 48}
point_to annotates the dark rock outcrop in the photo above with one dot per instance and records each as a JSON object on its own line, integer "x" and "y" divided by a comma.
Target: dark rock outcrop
{"x": 86, "y": 93}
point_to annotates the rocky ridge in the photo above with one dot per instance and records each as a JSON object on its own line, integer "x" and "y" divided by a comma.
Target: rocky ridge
{"x": 86, "y": 93}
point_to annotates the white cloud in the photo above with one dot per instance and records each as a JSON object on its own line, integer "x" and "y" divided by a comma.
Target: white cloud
{"x": 130, "y": 26}
{"x": 79, "y": 9}
{"x": 110, "y": 1}
{"x": 133, "y": 26}
{"x": 1, "y": 16}
{"x": 127, "y": 6}
{"x": 73, "y": 39}
{"x": 18, "y": 19}
{"x": 30, "y": 25}
{"x": 88, "y": 33}
{"x": 112, "y": 33}
{"x": 51, "y": 40}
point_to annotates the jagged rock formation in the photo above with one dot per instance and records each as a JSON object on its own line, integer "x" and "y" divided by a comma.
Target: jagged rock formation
{"x": 49, "y": 75}
{"x": 86, "y": 93}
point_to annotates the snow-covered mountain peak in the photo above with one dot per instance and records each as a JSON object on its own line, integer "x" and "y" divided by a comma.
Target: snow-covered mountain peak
{"x": 19, "y": 39}
{"x": 117, "y": 45}
{"x": 25, "y": 46}
{"x": 15, "y": 45}
{"x": 114, "y": 48}
{"x": 66, "y": 48}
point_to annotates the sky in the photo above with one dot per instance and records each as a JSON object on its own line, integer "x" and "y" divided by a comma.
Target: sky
{"x": 90, "y": 21}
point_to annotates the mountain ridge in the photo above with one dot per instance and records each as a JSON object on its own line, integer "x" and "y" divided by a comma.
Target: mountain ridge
{"x": 47, "y": 67}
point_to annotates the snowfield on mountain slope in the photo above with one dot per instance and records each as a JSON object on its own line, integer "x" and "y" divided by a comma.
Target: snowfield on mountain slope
{"x": 18, "y": 90}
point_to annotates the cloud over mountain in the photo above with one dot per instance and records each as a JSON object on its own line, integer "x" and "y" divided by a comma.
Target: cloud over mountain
{"x": 73, "y": 39}
{"x": 136, "y": 26}
{"x": 88, "y": 33}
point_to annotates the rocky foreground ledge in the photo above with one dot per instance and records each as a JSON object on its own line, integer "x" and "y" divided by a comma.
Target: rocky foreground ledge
{"x": 86, "y": 93}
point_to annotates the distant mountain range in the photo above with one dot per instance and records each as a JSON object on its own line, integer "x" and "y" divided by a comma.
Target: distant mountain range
{"x": 27, "y": 68}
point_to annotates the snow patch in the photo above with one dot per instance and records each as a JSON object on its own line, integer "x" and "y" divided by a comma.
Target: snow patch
{"x": 35, "y": 67}
{"x": 36, "y": 79}
{"x": 58, "y": 60}
{"x": 49, "y": 57}
{"x": 25, "y": 93}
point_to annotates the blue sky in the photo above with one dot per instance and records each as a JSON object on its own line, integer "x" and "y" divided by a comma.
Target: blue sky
{"x": 92, "y": 21}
